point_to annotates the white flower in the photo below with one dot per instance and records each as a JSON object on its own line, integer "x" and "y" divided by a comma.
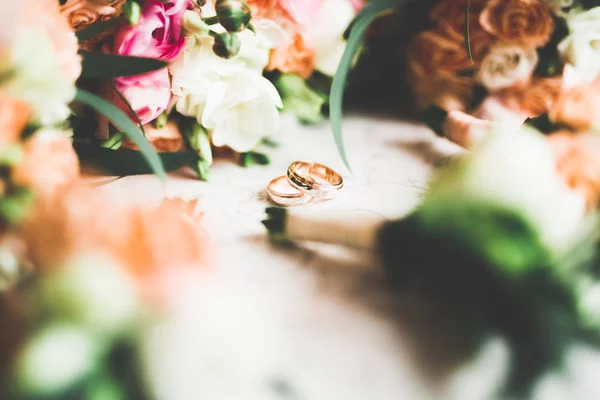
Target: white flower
{"x": 241, "y": 111}
{"x": 326, "y": 35}
{"x": 516, "y": 168}
{"x": 582, "y": 47}
{"x": 505, "y": 66}
{"x": 56, "y": 358}
{"x": 38, "y": 78}
{"x": 94, "y": 292}
{"x": 231, "y": 98}
{"x": 560, "y": 7}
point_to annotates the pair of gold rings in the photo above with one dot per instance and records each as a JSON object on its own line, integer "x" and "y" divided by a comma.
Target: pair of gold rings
{"x": 305, "y": 181}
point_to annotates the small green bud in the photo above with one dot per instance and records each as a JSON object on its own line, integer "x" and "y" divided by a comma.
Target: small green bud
{"x": 161, "y": 121}
{"x": 227, "y": 45}
{"x": 11, "y": 155}
{"x": 233, "y": 15}
{"x": 132, "y": 11}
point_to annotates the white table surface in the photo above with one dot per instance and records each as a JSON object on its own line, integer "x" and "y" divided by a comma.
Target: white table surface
{"x": 316, "y": 317}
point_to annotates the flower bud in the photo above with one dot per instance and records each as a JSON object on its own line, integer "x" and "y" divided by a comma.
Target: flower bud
{"x": 192, "y": 23}
{"x": 227, "y": 45}
{"x": 234, "y": 15}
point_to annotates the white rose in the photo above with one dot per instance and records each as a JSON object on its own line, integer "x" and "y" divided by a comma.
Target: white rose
{"x": 38, "y": 78}
{"x": 229, "y": 97}
{"x": 326, "y": 35}
{"x": 506, "y": 66}
{"x": 582, "y": 47}
{"x": 516, "y": 168}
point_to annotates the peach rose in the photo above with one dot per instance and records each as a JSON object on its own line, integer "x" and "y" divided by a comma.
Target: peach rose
{"x": 166, "y": 139}
{"x": 14, "y": 116}
{"x": 45, "y": 15}
{"x": 533, "y": 99}
{"x": 296, "y": 59}
{"x": 449, "y": 17}
{"x": 524, "y": 22}
{"x": 82, "y": 13}
{"x": 49, "y": 163}
{"x": 578, "y": 163}
{"x": 579, "y": 106}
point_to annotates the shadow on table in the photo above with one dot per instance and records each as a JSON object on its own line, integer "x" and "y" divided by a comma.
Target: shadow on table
{"x": 427, "y": 330}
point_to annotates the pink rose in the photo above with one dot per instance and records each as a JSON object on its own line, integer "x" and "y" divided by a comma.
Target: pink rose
{"x": 157, "y": 35}
{"x": 357, "y": 4}
{"x": 148, "y": 94}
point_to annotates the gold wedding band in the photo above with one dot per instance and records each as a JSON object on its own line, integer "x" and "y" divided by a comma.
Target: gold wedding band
{"x": 314, "y": 179}
{"x": 282, "y": 193}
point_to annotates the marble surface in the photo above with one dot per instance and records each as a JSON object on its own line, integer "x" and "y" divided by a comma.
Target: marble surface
{"x": 320, "y": 319}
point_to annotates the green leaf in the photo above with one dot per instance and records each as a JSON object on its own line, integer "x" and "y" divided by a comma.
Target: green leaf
{"x": 95, "y": 29}
{"x": 359, "y": 27}
{"x": 101, "y": 65}
{"x": 128, "y": 162}
{"x": 125, "y": 125}
{"x": 468, "y": 31}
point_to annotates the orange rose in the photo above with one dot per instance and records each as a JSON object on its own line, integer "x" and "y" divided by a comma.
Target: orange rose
{"x": 166, "y": 139}
{"x": 295, "y": 59}
{"x": 82, "y": 13}
{"x": 431, "y": 53}
{"x": 533, "y": 99}
{"x": 449, "y": 17}
{"x": 14, "y": 115}
{"x": 145, "y": 240}
{"x": 578, "y": 163}
{"x": 524, "y": 22}
{"x": 49, "y": 163}
{"x": 45, "y": 15}
{"x": 578, "y": 107}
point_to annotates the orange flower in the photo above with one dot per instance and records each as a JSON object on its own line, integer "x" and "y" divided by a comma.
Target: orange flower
{"x": 14, "y": 115}
{"x": 533, "y": 99}
{"x": 261, "y": 8}
{"x": 166, "y": 139}
{"x": 295, "y": 59}
{"x": 578, "y": 163}
{"x": 45, "y": 15}
{"x": 82, "y": 13}
{"x": 449, "y": 17}
{"x": 145, "y": 240}
{"x": 49, "y": 163}
{"x": 431, "y": 53}
{"x": 524, "y": 22}
{"x": 578, "y": 107}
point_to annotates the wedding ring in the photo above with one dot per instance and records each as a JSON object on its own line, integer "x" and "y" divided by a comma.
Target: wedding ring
{"x": 315, "y": 180}
{"x": 282, "y": 193}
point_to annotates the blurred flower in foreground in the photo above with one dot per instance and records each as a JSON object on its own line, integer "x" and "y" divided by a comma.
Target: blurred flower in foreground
{"x": 43, "y": 57}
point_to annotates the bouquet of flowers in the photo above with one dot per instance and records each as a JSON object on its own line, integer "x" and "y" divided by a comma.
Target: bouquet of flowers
{"x": 532, "y": 59}
{"x": 198, "y": 75}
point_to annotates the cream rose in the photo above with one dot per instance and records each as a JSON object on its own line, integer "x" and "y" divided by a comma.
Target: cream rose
{"x": 582, "y": 47}
{"x": 506, "y": 66}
